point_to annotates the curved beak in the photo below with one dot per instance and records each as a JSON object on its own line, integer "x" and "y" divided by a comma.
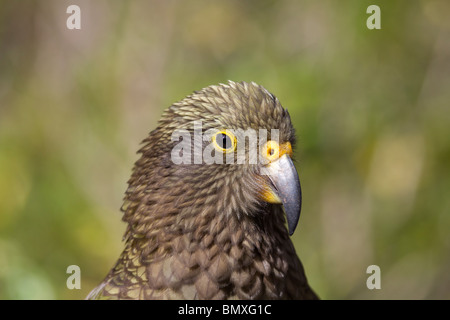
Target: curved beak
{"x": 286, "y": 189}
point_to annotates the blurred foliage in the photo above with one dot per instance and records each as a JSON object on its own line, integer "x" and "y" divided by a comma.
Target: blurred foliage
{"x": 371, "y": 109}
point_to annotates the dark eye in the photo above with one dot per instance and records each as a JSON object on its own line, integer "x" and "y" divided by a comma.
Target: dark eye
{"x": 224, "y": 141}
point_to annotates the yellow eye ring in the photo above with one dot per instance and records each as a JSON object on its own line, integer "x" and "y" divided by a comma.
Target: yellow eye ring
{"x": 271, "y": 150}
{"x": 224, "y": 141}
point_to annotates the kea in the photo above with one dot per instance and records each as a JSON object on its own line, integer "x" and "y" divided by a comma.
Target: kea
{"x": 206, "y": 219}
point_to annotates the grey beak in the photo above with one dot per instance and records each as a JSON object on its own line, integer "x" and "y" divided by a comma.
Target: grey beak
{"x": 284, "y": 177}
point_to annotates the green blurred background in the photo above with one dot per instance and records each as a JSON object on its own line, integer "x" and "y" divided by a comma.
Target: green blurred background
{"x": 371, "y": 109}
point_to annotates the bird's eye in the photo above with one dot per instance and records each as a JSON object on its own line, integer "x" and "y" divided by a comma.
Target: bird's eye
{"x": 271, "y": 150}
{"x": 224, "y": 141}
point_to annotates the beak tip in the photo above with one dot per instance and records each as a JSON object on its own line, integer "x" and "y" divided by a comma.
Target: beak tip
{"x": 292, "y": 222}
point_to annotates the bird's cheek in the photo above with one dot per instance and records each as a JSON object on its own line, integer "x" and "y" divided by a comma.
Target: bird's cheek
{"x": 266, "y": 192}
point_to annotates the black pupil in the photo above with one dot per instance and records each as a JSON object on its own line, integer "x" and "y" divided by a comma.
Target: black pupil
{"x": 224, "y": 141}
